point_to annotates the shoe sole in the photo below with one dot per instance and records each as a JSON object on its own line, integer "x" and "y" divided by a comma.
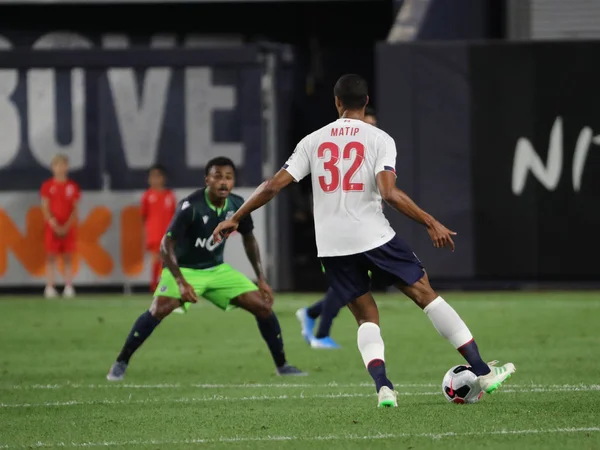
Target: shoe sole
{"x": 387, "y": 404}
{"x": 109, "y": 378}
{"x": 494, "y": 387}
{"x": 302, "y": 374}
{"x": 324, "y": 347}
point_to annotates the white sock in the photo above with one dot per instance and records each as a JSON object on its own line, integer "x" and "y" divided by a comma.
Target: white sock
{"x": 370, "y": 343}
{"x": 448, "y": 323}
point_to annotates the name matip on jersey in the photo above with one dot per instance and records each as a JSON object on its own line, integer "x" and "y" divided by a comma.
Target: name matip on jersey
{"x": 343, "y": 159}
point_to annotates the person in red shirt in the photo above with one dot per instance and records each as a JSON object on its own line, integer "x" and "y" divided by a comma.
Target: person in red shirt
{"x": 59, "y": 207}
{"x": 158, "y": 207}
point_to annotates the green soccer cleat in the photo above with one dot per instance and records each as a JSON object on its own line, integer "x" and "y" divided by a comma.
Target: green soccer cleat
{"x": 387, "y": 398}
{"x": 492, "y": 381}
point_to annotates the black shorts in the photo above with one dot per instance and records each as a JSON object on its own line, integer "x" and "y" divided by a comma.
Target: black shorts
{"x": 392, "y": 263}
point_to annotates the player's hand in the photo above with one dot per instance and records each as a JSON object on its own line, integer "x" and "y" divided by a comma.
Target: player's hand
{"x": 441, "y": 236}
{"x": 265, "y": 290}
{"x": 224, "y": 229}
{"x": 54, "y": 225}
{"x": 62, "y": 230}
{"x": 187, "y": 292}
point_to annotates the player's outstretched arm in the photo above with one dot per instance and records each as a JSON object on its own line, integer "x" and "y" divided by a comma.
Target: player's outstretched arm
{"x": 260, "y": 197}
{"x": 169, "y": 258}
{"x": 184, "y": 216}
{"x": 397, "y": 199}
{"x": 253, "y": 253}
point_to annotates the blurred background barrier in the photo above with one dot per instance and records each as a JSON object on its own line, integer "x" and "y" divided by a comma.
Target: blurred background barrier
{"x": 496, "y": 132}
{"x": 110, "y": 241}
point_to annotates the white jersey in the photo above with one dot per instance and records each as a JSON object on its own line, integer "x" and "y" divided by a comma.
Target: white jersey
{"x": 343, "y": 159}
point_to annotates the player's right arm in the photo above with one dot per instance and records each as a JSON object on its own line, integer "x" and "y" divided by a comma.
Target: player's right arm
{"x": 184, "y": 216}
{"x": 399, "y": 200}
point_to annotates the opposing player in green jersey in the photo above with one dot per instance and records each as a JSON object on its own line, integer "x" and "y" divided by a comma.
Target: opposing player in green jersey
{"x": 194, "y": 267}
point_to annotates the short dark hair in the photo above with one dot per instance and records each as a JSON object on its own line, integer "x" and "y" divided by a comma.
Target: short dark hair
{"x": 352, "y": 90}
{"x": 160, "y": 168}
{"x": 369, "y": 111}
{"x": 218, "y": 161}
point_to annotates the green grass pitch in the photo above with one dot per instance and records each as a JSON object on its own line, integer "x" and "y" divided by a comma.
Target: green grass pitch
{"x": 205, "y": 379}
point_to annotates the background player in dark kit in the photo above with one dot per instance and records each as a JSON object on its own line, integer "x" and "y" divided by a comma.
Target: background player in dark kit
{"x": 194, "y": 267}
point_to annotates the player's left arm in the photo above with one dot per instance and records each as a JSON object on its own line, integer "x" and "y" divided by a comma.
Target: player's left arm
{"x": 253, "y": 253}
{"x": 385, "y": 174}
{"x": 251, "y": 246}
{"x": 73, "y": 217}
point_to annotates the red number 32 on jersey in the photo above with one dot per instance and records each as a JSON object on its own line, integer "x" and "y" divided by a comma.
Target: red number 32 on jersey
{"x": 330, "y": 153}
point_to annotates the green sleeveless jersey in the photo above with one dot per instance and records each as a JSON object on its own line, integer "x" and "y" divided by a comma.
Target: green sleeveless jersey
{"x": 192, "y": 226}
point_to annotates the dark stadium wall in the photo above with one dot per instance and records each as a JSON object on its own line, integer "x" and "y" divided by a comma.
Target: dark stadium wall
{"x": 497, "y": 141}
{"x": 463, "y": 20}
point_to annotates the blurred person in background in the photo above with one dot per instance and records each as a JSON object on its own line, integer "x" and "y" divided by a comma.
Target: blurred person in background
{"x": 328, "y": 307}
{"x": 370, "y": 116}
{"x": 157, "y": 207}
{"x": 59, "y": 206}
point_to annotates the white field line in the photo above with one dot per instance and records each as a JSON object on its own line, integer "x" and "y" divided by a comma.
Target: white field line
{"x": 270, "y": 386}
{"x": 224, "y": 398}
{"x": 331, "y": 437}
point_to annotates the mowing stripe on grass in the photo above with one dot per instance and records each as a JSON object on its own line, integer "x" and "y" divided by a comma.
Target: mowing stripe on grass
{"x": 69, "y": 385}
{"x": 223, "y": 398}
{"x": 333, "y": 437}
{"x": 206, "y": 386}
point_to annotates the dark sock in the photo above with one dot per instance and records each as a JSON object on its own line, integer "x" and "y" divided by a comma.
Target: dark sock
{"x": 376, "y": 369}
{"x": 142, "y": 328}
{"x": 315, "y": 310}
{"x": 470, "y": 352}
{"x": 330, "y": 311}
{"x": 271, "y": 333}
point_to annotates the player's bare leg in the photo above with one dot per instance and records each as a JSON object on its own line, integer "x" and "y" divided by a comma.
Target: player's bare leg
{"x": 50, "y": 291}
{"x": 371, "y": 347}
{"x": 449, "y": 325}
{"x": 68, "y": 291}
{"x": 142, "y": 329}
{"x": 269, "y": 327}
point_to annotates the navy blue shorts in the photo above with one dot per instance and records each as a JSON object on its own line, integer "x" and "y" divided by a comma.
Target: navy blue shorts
{"x": 392, "y": 263}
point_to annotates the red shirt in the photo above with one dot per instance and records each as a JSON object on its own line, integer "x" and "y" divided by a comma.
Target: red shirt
{"x": 62, "y": 198}
{"x": 158, "y": 208}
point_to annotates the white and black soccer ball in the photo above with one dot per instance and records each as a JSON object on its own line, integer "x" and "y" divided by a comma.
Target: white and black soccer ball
{"x": 460, "y": 385}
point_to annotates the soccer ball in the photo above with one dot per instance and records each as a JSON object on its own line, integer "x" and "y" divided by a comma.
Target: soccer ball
{"x": 460, "y": 385}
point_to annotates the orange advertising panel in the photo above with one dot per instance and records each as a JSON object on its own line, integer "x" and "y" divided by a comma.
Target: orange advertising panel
{"x": 110, "y": 239}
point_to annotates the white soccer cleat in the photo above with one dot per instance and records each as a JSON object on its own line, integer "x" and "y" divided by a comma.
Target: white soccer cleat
{"x": 50, "y": 292}
{"x": 492, "y": 381}
{"x": 387, "y": 398}
{"x": 69, "y": 291}
{"x": 179, "y": 310}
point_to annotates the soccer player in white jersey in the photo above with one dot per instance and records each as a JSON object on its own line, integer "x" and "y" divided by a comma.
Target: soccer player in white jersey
{"x": 326, "y": 309}
{"x": 352, "y": 166}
